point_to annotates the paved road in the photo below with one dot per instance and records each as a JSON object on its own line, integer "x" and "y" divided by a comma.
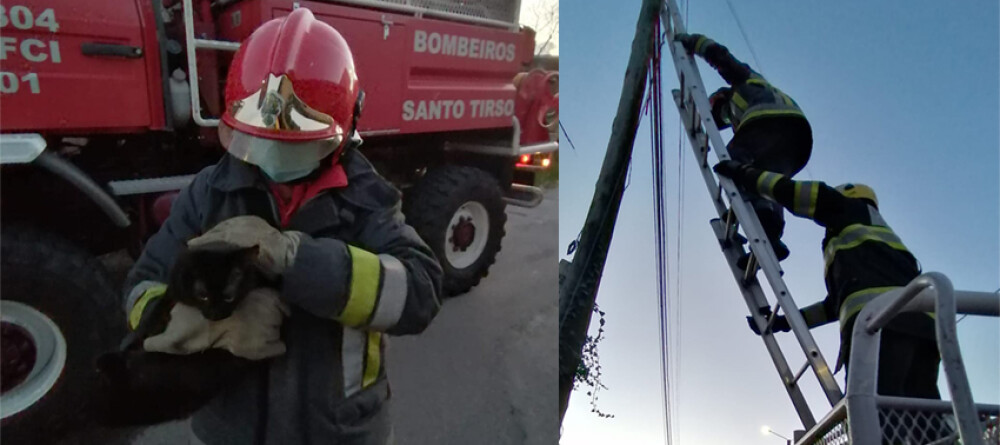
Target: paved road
{"x": 484, "y": 372}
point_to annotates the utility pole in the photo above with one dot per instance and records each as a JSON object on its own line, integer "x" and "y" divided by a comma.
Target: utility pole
{"x": 578, "y": 286}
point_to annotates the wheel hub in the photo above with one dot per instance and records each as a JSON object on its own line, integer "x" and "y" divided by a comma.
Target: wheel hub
{"x": 462, "y": 234}
{"x": 19, "y": 355}
{"x": 466, "y": 234}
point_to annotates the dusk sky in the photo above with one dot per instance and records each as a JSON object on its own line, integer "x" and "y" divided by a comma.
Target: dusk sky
{"x": 901, "y": 95}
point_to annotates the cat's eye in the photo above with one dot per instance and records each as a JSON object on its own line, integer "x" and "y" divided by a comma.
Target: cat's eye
{"x": 200, "y": 291}
{"x": 230, "y": 298}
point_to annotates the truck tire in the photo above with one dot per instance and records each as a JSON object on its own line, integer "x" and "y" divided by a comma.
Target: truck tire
{"x": 459, "y": 212}
{"x": 58, "y": 312}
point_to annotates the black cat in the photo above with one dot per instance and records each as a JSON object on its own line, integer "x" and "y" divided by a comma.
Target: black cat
{"x": 145, "y": 388}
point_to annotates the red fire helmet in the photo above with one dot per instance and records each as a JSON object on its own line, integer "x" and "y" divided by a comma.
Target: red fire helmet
{"x": 293, "y": 79}
{"x": 292, "y": 96}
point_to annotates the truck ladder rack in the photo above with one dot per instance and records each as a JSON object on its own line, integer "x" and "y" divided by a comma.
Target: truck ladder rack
{"x": 191, "y": 46}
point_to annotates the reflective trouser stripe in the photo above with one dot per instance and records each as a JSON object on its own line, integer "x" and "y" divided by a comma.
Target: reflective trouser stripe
{"x": 366, "y": 274}
{"x": 805, "y": 198}
{"x": 855, "y": 234}
{"x": 857, "y": 301}
{"x": 152, "y": 293}
{"x": 766, "y": 182}
{"x": 361, "y": 357}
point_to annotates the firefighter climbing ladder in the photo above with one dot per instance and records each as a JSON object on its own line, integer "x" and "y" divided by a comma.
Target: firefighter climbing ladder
{"x": 873, "y": 418}
{"x": 702, "y": 132}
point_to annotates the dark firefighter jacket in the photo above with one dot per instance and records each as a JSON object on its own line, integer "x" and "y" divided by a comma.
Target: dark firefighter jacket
{"x": 863, "y": 257}
{"x": 753, "y": 97}
{"x": 360, "y": 273}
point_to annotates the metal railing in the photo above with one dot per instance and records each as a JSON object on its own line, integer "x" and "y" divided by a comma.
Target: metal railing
{"x": 864, "y": 417}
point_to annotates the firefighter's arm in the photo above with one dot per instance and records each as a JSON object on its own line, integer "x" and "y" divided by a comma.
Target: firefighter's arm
{"x": 819, "y": 313}
{"x": 386, "y": 279}
{"x": 147, "y": 280}
{"x": 809, "y": 199}
{"x": 729, "y": 67}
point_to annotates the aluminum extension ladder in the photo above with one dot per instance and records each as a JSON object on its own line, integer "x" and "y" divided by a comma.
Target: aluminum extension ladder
{"x": 692, "y": 103}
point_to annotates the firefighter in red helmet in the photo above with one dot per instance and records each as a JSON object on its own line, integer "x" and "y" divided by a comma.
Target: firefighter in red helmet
{"x": 351, "y": 271}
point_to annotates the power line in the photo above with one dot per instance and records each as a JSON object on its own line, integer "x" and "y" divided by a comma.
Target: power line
{"x": 561, "y": 127}
{"x": 746, "y": 39}
{"x": 660, "y": 231}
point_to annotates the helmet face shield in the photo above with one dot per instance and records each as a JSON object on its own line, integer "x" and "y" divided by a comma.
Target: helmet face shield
{"x": 276, "y": 108}
{"x": 282, "y": 161}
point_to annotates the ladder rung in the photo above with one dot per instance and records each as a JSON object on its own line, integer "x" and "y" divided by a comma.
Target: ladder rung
{"x": 749, "y": 274}
{"x": 772, "y": 316}
{"x": 798, "y": 375}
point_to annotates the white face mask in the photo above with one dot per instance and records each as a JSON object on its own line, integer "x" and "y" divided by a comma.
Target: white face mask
{"x": 281, "y": 161}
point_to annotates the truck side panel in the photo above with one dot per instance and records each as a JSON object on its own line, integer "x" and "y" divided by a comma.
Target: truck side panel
{"x": 49, "y": 84}
{"x": 420, "y": 75}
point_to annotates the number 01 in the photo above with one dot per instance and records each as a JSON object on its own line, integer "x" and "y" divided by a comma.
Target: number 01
{"x": 9, "y": 83}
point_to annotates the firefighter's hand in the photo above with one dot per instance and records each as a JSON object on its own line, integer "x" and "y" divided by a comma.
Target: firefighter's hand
{"x": 780, "y": 325}
{"x": 688, "y": 40}
{"x": 252, "y": 331}
{"x": 731, "y": 169}
{"x": 187, "y": 332}
{"x": 277, "y": 249}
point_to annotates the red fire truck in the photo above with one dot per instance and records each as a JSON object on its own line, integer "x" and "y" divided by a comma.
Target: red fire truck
{"x": 107, "y": 108}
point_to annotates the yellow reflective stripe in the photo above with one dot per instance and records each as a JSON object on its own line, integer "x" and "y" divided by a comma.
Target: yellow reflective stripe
{"x": 135, "y": 315}
{"x": 857, "y": 301}
{"x": 766, "y": 182}
{"x": 739, "y": 101}
{"x": 700, "y": 43}
{"x": 373, "y": 359}
{"x": 805, "y": 198}
{"x": 365, "y": 274}
{"x": 762, "y": 113}
{"x": 757, "y": 81}
{"x": 855, "y": 234}
{"x": 784, "y": 97}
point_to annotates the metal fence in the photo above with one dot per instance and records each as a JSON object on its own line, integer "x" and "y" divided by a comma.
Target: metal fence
{"x": 863, "y": 417}
{"x": 923, "y": 427}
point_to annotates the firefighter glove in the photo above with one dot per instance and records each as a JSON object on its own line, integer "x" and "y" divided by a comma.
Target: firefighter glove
{"x": 735, "y": 170}
{"x": 252, "y": 331}
{"x": 276, "y": 249}
{"x": 780, "y": 325}
{"x": 689, "y": 41}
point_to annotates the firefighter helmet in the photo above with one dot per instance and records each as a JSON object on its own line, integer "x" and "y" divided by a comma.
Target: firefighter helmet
{"x": 292, "y": 96}
{"x": 718, "y": 101}
{"x": 858, "y": 191}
